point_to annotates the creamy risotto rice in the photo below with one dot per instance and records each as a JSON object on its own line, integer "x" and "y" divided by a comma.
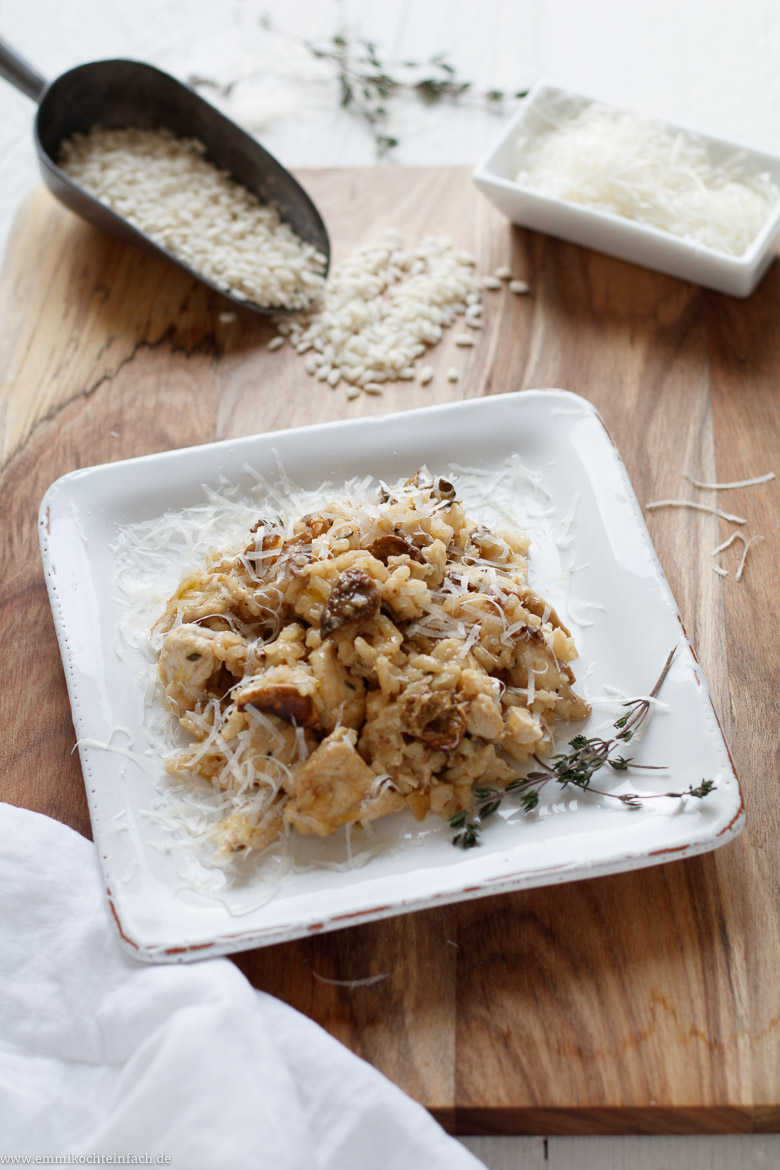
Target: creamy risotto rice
{"x": 365, "y": 658}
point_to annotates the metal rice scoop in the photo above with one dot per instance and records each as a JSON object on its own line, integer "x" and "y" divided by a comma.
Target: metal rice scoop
{"x": 121, "y": 94}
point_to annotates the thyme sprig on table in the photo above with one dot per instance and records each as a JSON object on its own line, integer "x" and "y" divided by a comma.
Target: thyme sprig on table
{"x": 367, "y": 84}
{"x": 576, "y": 767}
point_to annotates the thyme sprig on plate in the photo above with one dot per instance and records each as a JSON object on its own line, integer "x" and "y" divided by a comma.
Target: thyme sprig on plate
{"x": 576, "y": 767}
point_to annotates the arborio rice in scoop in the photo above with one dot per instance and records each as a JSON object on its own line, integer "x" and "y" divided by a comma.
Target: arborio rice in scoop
{"x": 164, "y": 186}
{"x": 362, "y": 658}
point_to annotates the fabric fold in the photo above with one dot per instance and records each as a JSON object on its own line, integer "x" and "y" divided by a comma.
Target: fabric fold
{"x": 101, "y": 1054}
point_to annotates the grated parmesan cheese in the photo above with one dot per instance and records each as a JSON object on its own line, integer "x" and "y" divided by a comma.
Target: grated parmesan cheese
{"x": 615, "y": 161}
{"x": 369, "y": 980}
{"x": 741, "y": 567}
{"x": 727, "y": 543}
{"x": 739, "y": 483}
{"x": 696, "y": 508}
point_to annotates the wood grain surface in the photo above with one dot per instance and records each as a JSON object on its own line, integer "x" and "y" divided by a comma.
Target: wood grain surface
{"x": 638, "y": 1003}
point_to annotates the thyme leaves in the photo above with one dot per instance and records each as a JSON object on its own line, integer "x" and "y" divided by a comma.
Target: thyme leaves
{"x": 368, "y": 85}
{"x": 575, "y": 768}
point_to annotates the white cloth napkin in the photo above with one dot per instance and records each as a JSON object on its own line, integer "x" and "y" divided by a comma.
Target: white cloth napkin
{"x": 101, "y": 1054}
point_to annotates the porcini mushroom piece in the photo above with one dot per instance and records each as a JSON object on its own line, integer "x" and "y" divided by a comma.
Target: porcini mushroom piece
{"x": 353, "y": 599}
{"x": 392, "y": 545}
{"x": 280, "y": 698}
{"x": 435, "y": 718}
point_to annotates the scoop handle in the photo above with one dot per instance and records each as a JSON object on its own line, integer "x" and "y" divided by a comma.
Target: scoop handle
{"x": 16, "y": 70}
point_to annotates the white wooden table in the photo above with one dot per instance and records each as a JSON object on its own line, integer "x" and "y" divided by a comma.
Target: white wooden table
{"x": 708, "y": 64}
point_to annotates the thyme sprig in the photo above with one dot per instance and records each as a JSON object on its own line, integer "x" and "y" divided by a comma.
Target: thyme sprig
{"x": 576, "y": 767}
{"x": 367, "y": 84}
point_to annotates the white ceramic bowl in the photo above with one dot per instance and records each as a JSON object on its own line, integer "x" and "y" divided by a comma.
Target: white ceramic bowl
{"x": 614, "y": 234}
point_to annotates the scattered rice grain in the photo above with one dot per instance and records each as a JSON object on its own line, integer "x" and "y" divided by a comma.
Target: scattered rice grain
{"x": 276, "y": 342}
{"x": 452, "y": 374}
{"x": 503, "y": 272}
{"x": 518, "y": 286}
{"x": 384, "y": 306}
{"x": 491, "y": 283}
{"x": 463, "y": 339}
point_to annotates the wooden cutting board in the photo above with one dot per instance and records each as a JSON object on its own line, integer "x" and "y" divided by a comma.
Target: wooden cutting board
{"x": 641, "y": 1003}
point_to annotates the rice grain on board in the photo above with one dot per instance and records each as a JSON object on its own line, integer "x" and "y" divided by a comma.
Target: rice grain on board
{"x": 382, "y": 308}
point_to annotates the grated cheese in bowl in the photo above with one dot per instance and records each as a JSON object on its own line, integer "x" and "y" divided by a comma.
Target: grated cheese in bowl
{"x": 640, "y": 169}
{"x": 689, "y": 205}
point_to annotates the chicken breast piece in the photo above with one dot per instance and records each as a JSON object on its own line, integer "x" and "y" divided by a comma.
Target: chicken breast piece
{"x": 191, "y": 656}
{"x": 241, "y": 831}
{"x": 335, "y": 787}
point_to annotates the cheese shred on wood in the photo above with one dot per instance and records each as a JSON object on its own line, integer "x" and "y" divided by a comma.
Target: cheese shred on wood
{"x": 363, "y": 658}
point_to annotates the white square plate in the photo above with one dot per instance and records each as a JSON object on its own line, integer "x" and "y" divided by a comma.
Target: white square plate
{"x": 614, "y": 234}
{"x": 591, "y": 556}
